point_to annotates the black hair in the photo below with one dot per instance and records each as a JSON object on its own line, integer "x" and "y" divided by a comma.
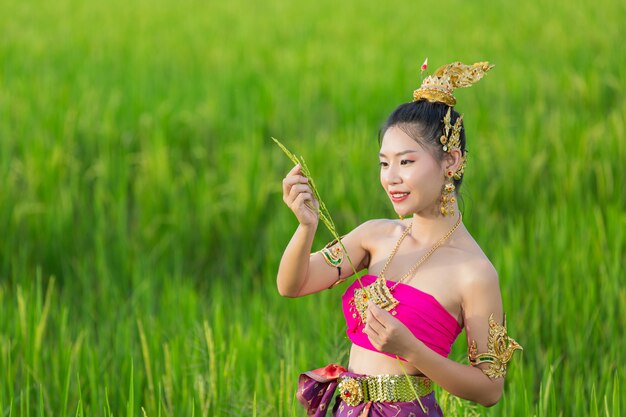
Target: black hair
{"x": 423, "y": 122}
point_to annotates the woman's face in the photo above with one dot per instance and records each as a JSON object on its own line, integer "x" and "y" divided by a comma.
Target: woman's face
{"x": 410, "y": 175}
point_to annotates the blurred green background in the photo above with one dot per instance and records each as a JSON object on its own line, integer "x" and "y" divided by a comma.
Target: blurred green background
{"x": 141, "y": 216}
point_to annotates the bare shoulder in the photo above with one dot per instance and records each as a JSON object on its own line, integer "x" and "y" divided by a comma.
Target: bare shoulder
{"x": 381, "y": 227}
{"x": 477, "y": 273}
{"x": 372, "y": 230}
{"x": 361, "y": 232}
{"x": 375, "y": 234}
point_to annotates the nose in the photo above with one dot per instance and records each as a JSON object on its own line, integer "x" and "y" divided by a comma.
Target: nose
{"x": 391, "y": 174}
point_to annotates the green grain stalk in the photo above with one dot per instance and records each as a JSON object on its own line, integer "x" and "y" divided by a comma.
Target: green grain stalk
{"x": 323, "y": 211}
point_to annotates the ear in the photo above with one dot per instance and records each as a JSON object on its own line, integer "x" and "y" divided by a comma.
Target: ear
{"x": 452, "y": 161}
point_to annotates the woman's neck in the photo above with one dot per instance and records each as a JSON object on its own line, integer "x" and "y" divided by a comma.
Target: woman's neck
{"x": 430, "y": 228}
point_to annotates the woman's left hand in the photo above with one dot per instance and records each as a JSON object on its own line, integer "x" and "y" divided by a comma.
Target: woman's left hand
{"x": 387, "y": 333}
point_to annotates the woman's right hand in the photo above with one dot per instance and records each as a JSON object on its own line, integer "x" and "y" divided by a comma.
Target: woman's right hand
{"x": 296, "y": 193}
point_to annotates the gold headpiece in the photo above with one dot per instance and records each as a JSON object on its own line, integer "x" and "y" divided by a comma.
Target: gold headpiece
{"x": 451, "y": 141}
{"x": 437, "y": 88}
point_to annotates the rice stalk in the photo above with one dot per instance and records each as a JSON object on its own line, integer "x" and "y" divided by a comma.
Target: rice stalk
{"x": 146, "y": 360}
{"x": 323, "y": 211}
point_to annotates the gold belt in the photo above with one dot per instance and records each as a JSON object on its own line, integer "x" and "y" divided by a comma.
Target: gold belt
{"x": 379, "y": 388}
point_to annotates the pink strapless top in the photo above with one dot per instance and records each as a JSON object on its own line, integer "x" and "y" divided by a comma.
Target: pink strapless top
{"x": 425, "y": 317}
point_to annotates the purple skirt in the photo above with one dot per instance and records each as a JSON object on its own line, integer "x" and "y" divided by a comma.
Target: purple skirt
{"x": 317, "y": 388}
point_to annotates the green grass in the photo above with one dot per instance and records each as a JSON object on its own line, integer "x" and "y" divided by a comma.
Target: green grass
{"x": 141, "y": 213}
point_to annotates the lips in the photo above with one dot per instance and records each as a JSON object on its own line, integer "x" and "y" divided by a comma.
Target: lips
{"x": 397, "y": 197}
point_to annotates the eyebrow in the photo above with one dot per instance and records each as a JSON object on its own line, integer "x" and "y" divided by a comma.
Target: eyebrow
{"x": 399, "y": 153}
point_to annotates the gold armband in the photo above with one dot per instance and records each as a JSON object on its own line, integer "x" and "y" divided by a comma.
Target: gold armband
{"x": 500, "y": 350}
{"x": 333, "y": 255}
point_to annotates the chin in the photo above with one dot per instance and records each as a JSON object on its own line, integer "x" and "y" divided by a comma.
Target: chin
{"x": 406, "y": 210}
{"x": 404, "y": 213}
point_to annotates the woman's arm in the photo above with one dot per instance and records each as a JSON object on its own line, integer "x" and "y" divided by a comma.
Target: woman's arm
{"x": 301, "y": 272}
{"x": 481, "y": 298}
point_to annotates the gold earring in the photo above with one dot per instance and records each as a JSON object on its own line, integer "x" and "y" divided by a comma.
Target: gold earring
{"x": 459, "y": 172}
{"x": 447, "y": 196}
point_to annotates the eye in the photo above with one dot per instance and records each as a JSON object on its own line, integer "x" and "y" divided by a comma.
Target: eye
{"x": 406, "y": 162}
{"x": 383, "y": 164}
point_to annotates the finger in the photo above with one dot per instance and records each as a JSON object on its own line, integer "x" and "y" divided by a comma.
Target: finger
{"x": 374, "y": 319}
{"x": 297, "y": 169}
{"x": 370, "y": 331}
{"x": 301, "y": 200}
{"x": 376, "y": 312}
{"x": 290, "y": 180}
{"x": 295, "y": 193}
{"x": 289, "y": 194}
{"x": 376, "y": 326}
{"x": 298, "y": 189}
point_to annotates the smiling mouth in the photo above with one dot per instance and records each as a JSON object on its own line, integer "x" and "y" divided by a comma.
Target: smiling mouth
{"x": 397, "y": 197}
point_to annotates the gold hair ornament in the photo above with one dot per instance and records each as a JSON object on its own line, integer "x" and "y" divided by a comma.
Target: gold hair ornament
{"x": 438, "y": 88}
{"x": 451, "y": 139}
{"x": 500, "y": 350}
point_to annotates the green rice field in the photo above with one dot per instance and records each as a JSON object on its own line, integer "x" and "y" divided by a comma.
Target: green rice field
{"x": 141, "y": 213}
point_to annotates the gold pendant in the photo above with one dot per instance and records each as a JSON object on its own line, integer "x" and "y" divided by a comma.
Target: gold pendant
{"x": 379, "y": 293}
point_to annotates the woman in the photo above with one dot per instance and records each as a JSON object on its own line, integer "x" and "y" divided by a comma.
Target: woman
{"x": 426, "y": 280}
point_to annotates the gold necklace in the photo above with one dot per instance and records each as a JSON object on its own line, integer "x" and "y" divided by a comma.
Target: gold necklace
{"x": 423, "y": 259}
{"x": 378, "y": 291}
